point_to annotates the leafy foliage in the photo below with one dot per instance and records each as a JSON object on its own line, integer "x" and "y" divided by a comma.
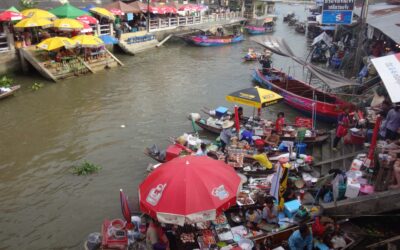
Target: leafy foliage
{"x": 37, "y": 86}
{"x": 27, "y": 4}
{"x": 85, "y": 168}
{"x": 6, "y": 82}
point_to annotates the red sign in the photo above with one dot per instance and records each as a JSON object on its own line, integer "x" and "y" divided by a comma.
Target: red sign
{"x": 303, "y": 122}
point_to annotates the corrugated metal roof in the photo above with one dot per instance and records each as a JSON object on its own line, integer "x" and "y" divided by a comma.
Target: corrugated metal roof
{"x": 384, "y": 17}
{"x": 387, "y": 24}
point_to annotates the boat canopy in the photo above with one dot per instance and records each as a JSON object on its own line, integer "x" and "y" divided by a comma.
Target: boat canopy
{"x": 324, "y": 38}
{"x": 278, "y": 46}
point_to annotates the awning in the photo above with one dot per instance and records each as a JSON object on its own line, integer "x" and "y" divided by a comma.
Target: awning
{"x": 388, "y": 24}
{"x": 322, "y": 37}
{"x": 279, "y": 46}
{"x": 388, "y": 68}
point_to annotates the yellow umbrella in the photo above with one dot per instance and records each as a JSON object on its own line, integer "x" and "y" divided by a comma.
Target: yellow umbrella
{"x": 56, "y": 43}
{"x": 67, "y": 24}
{"x": 254, "y": 97}
{"x": 102, "y": 12}
{"x": 38, "y": 13}
{"x": 34, "y": 22}
{"x": 88, "y": 41}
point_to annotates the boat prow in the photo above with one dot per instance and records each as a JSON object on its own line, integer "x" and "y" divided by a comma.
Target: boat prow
{"x": 12, "y": 90}
{"x": 136, "y": 42}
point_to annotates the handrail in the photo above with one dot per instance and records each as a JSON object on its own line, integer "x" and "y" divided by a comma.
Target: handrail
{"x": 174, "y": 22}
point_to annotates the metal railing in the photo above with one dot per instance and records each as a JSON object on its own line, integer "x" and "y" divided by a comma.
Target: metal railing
{"x": 174, "y": 22}
{"x": 104, "y": 29}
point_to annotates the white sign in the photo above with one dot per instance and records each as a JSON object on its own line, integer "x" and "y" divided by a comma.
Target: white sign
{"x": 388, "y": 68}
{"x": 155, "y": 194}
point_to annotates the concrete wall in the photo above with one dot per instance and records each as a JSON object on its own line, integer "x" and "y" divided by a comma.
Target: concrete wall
{"x": 9, "y": 62}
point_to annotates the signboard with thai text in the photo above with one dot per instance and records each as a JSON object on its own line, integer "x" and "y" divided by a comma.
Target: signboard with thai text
{"x": 388, "y": 68}
{"x": 337, "y": 11}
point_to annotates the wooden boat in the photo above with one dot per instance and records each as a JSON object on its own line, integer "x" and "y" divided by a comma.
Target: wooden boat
{"x": 376, "y": 203}
{"x": 300, "y": 28}
{"x": 9, "y": 93}
{"x": 299, "y": 95}
{"x": 259, "y": 27}
{"x": 288, "y": 17}
{"x": 209, "y": 41}
{"x": 213, "y": 129}
{"x": 276, "y": 239}
{"x": 319, "y": 139}
{"x": 258, "y": 30}
{"x": 156, "y": 157}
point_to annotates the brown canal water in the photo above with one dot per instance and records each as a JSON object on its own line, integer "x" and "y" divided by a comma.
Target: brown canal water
{"x": 43, "y": 133}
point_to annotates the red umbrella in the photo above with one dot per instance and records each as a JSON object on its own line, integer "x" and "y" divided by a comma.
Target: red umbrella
{"x": 126, "y": 211}
{"x": 8, "y": 15}
{"x": 86, "y": 28}
{"x": 87, "y": 19}
{"x": 190, "y": 7}
{"x": 189, "y": 189}
{"x": 117, "y": 12}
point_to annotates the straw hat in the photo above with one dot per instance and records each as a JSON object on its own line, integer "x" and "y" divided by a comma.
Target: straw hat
{"x": 227, "y": 124}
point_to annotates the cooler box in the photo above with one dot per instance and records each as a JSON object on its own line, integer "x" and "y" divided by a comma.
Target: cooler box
{"x": 291, "y": 207}
{"x": 172, "y": 152}
{"x": 110, "y": 241}
{"x": 221, "y": 111}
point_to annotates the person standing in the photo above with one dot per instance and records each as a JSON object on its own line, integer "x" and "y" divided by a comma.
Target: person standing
{"x": 155, "y": 237}
{"x": 280, "y": 122}
{"x": 342, "y": 128}
{"x": 301, "y": 239}
{"x": 226, "y": 134}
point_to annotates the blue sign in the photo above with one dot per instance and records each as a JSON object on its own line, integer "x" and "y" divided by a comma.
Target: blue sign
{"x": 337, "y": 16}
{"x": 129, "y": 16}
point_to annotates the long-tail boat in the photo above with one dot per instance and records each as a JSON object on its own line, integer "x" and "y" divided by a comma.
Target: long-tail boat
{"x": 299, "y": 95}
{"x": 208, "y": 41}
{"x": 259, "y": 27}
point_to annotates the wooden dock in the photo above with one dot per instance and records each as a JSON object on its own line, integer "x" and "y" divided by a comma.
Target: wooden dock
{"x": 70, "y": 67}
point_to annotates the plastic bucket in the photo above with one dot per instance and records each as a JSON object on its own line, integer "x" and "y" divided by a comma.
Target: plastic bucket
{"x": 301, "y": 148}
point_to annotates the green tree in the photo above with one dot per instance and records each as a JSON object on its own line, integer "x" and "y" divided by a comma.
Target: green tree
{"x": 27, "y": 4}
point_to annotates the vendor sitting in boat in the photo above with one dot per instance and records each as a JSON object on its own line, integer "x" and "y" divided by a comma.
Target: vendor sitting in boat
{"x": 202, "y": 151}
{"x": 247, "y": 134}
{"x": 251, "y": 54}
{"x": 301, "y": 239}
{"x": 270, "y": 211}
{"x": 253, "y": 218}
{"x": 272, "y": 140}
{"x": 261, "y": 158}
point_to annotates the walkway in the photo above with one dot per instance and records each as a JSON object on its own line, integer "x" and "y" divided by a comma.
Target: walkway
{"x": 195, "y": 21}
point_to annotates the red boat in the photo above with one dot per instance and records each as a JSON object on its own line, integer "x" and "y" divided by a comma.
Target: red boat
{"x": 299, "y": 95}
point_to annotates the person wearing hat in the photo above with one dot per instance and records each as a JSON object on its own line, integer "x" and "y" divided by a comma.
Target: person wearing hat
{"x": 226, "y": 134}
